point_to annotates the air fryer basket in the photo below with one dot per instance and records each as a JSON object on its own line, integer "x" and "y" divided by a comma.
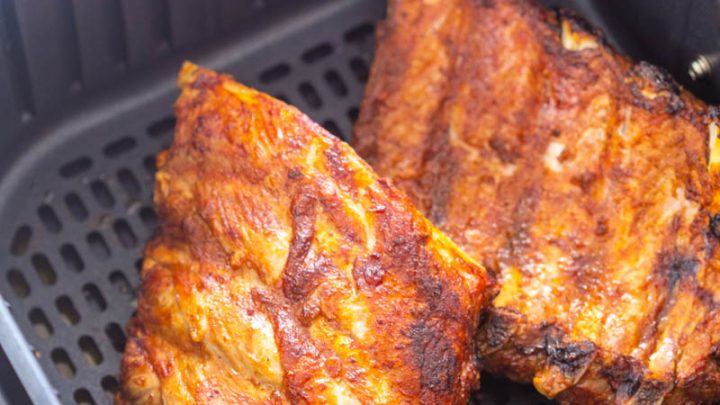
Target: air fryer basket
{"x": 76, "y": 176}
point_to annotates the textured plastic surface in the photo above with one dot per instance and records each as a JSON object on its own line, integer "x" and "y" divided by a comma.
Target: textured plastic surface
{"x": 56, "y": 53}
{"x": 76, "y": 196}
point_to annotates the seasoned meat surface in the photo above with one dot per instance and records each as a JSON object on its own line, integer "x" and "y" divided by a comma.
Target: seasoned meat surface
{"x": 589, "y": 184}
{"x": 285, "y": 271}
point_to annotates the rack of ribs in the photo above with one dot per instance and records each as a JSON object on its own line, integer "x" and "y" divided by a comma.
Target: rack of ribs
{"x": 285, "y": 271}
{"x": 587, "y": 183}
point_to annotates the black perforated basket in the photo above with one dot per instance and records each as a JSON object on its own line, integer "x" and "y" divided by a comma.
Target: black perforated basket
{"x": 77, "y": 156}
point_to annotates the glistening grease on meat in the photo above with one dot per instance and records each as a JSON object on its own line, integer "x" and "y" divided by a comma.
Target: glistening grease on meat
{"x": 588, "y": 183}
{"x": 285, "y": 271}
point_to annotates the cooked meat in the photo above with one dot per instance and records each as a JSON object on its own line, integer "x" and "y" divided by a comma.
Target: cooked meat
{"x": 588, "y": 183}
{"x": 285, "y": 271}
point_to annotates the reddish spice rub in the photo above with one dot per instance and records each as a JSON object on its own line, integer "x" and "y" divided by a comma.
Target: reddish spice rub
{"x": 285, "y": 271}
{"x": 589, "y": 184}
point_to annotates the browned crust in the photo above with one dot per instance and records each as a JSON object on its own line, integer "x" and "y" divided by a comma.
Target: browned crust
{"x": 462, "y": 90}
{"x": 286, "y": 271}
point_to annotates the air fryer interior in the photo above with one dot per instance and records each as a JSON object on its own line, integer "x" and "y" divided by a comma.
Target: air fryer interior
{"x": 86, "y": 104}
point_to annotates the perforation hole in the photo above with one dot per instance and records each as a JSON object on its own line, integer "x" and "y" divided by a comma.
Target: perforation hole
{"x": 316, "y": 53}
{"x": 359, "y": 69}
{"x": 62, "y": 362}
{"x": 21, "y": 240}
{"x": 360, "y": 34}
{"x": 148, "y": 217}
{"x": 67, "y": 310}
{"x": 352, "y": 114}
{"x": 110, "y": 386}
{"x": 149, "y": 164}
{"x": 76, "y": 207}
{"x": 71, "y": 258}
{"x": 40, "y": 323}
{"x": 102, "y": 194}
{"x": 336, "y": 83}
{"x": 83, "y": 397}
{"x": 332, "y": 127}
{"x": 124, "y": 233}
{"x": 49, "y": 219}
{"x": 128, "y": 182}
{"x": 275, "y": 73}
{"x": 90, "y": 351}
{"x": 119, "y": 147}
{"x": 120, "y": 282}
{"x": 116, "y": 335}
{"x": 310, "y": 95}
{"x": 282, "y": 97}
{"x": 75, "y": 167}
{"x": 94, "y": 297}
{"x": 18, "y": 283}
{"x": 98, "y": 245}
{"x": 44, "y": 269}
{"x": 163, "y": 126}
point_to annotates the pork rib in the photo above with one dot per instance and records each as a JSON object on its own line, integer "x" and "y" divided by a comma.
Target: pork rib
{"x": 587, "y": 182}
{"x": 285, "y": 271}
